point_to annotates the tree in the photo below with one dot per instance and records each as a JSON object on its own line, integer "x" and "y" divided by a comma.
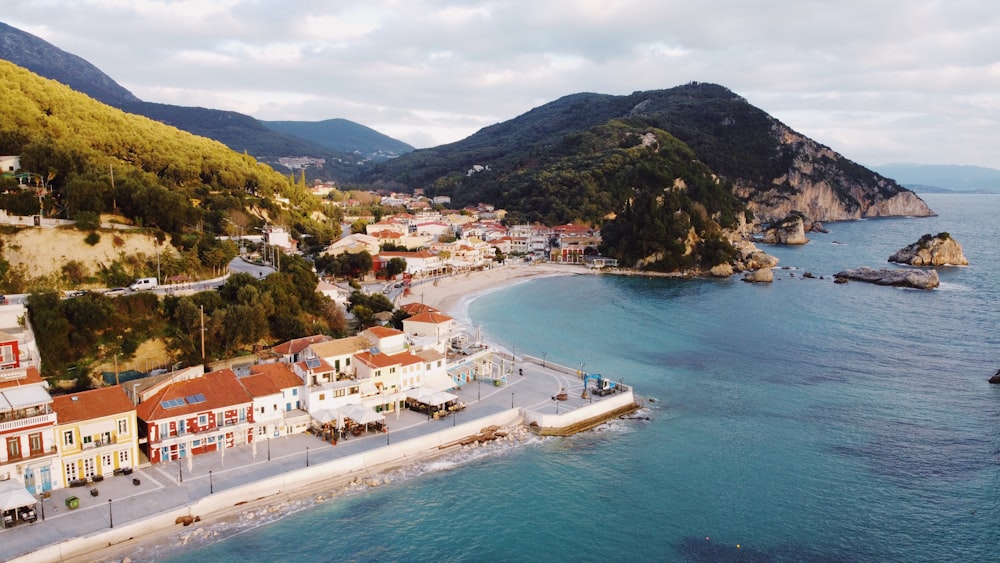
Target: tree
{"x": 394, "y": 267}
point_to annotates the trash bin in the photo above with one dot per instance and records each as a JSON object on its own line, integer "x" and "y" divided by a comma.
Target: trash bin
{"x": 72, "y": 503}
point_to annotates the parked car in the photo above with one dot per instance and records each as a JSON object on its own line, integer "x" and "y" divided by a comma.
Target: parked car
{"x": 116, "y": 291}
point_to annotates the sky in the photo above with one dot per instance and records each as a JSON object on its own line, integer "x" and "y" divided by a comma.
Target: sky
{"x": 879, "y": 81}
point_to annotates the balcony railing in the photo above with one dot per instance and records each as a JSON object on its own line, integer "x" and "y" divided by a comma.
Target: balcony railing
{"x": 15, "y": 424}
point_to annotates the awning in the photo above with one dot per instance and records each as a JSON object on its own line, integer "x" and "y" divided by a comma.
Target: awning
{"x": 429, "y": 396}
{"x": 367, "y": 387}
{"x": 27, "y": 396}
{"x": 360, "y": 414}
{"x": 438, "y": 381}
{"x": 14, "y": 495}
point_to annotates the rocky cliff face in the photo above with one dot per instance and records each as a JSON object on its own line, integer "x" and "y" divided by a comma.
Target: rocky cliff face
{"x": 825, "y": 186}
{"x": 940, "y": 250}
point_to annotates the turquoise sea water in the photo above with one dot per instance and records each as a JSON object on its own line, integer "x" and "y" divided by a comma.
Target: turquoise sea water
{"x": 802, "y": 420}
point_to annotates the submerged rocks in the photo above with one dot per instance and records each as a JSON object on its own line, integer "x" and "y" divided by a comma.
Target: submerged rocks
{"x": 917, "y": 279}
{"x": 939, "y": 250}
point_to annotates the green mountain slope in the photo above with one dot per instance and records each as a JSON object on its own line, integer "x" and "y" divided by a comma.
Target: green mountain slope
{"x": 344, "y": 136}
{"x": 771, "y": 168}
{"x": 238, "y": 131}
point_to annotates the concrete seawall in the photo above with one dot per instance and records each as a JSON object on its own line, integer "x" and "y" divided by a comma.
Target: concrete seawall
{"x": 581, "y": 418}
{"x": 278, "y": 488}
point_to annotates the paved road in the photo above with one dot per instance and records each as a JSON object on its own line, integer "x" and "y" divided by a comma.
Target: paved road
{"x": 171, "y": 485}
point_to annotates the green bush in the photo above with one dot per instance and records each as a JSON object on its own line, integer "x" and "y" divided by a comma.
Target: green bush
{"x": 92, "y": 239}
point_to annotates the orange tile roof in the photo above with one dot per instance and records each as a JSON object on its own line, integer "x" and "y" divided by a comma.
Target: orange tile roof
{"x": 298, "y": 344}
{"x": 31, "y": 376}
{"x": 268, "y": 379}
{"x": 432, "y": 317}
{"x": 418, "y": 308}
{"x": 388, "y": 360}
{"x": 383, "y": 331}
{"x": 220, "y": 389}
{"x": 93, "y": 404}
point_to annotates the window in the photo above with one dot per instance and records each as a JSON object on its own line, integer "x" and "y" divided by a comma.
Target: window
{"x": 106, "y": 437}
{"x": 123, "y": 426}
{"x": 35, "y": 443}
{"x": 68, "y": 438}
{"x": 262, "y": 431}
{"x": 261, "y": 410}
{"x": 13, "y": 448}
{"x": 7, "y": 355}
{"x": 181, "y": 427}
{"x": 87, "y": 441}
{"x": 89, "y": 468}
{"x": 243, "y": 415}
{"x": 72, "y": 472}
{"x": 392, "y": 370}
{"x": 322, "y": 396}
{"x": 295, "y": 391}
{"x": 202, "y": 420}
{"x": 339, "y": 393}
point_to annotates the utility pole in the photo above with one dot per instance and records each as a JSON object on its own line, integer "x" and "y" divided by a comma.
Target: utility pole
{"x": 202, "y": 308}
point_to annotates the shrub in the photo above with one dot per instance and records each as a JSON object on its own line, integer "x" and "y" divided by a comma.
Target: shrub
{"x": 92, "y": 239}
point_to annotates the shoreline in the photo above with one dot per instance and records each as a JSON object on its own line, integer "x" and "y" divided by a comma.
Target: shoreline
{"x": 173, "y": 540}
{"x": 450, "y": 295}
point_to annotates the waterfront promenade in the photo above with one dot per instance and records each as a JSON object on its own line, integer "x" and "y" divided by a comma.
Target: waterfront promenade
{"x": 214, "y": 485}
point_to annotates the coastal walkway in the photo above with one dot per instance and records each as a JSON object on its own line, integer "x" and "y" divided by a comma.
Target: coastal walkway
{"x": 128, "y": 507}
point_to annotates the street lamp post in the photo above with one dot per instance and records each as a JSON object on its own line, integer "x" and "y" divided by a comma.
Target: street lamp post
{"x": 543, "y": 358}
{"x": 211, "y": 487}
{"x": 111, "y": 517}
{"x": 307, "y": 456}
{"x": 180, "y": 471}
{"x": 268, "y": 448}
{"x": 512, "y": 399}
{"x": 479, "y": 390}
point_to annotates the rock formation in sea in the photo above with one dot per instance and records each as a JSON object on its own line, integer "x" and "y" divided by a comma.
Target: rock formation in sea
{"x": 764, "y": 275}
{"x": 790, "y": 230}
{"x": 940, "y": 250}
{"x": 918, "y": 279}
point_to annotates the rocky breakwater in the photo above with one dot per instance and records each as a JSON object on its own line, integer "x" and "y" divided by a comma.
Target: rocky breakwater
{"x": 939, "y": 250}
{"x": 917, "y": 279}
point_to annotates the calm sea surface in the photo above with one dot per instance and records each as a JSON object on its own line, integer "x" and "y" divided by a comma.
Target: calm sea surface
{"x": 802, "y": 421}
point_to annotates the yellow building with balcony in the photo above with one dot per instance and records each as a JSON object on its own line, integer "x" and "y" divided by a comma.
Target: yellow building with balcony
{"x": 96, "y": 434}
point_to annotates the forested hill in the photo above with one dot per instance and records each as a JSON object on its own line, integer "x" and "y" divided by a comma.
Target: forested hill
{"x": 343, "y": 135}
{"x": 240, "y": 132}
{"x": 770, "y": 167}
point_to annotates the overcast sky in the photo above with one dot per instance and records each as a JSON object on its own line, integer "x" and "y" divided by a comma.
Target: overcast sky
{"x": 879, "y": 81}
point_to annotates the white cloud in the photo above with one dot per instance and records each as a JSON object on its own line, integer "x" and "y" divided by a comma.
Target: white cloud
{"x": 879, "y": 81}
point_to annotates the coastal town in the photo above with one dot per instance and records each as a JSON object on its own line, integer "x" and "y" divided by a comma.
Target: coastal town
{"x": 382, "y": 392}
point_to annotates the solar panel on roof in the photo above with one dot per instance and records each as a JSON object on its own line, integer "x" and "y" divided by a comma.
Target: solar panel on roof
{"x": 312, "y": 363}
{"x": 195, "y": 399}
{"x": 172, "y": 403}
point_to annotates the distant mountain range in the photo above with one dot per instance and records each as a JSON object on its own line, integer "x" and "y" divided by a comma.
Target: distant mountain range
{"x": 342, "y": 143}
{"x": 944, "y": 178}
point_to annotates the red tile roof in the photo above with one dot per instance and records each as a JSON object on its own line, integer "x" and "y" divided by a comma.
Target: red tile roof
{"x": 432, "y": 317}
{"x": 31, "y": 376}
{"x": 93, "y": 404}
{"x": 388, "y": 360}
{"x": 299, "y": 344}
{"x": 220, "y": 389}
{"x": 418, "y": 308}
{"x": 384, "y": 331}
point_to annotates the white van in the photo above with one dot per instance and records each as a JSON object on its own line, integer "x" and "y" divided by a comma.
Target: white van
{"x": 143, "y": 283}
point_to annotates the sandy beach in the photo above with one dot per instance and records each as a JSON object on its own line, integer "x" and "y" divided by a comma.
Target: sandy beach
{"x": 445, "y": 294}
